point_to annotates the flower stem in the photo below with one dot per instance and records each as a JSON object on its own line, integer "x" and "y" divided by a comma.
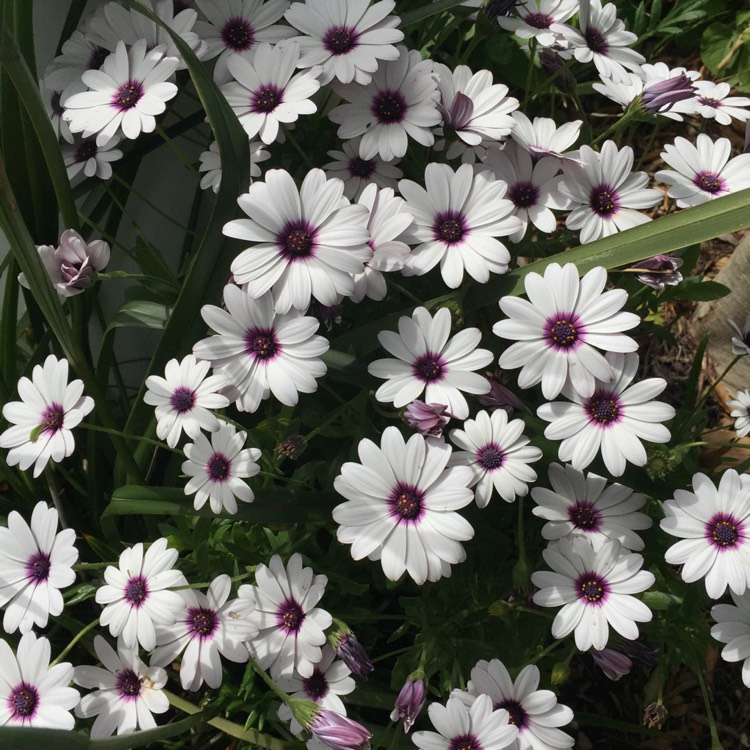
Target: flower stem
{"x": 707, "y": 391}
{"x": 530, "y": 72}
{"x": 75, "y": 640}
{"x": 274, "y": 687}
{"x": 715, "y": 742}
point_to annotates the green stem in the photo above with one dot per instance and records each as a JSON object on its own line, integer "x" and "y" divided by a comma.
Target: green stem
{"x": 707, "y": 391}
{"x": 54, "y": 492}
{"x": 715, "y": 742}
{"x": 552, "y": 646}
{"x": 75, "y": 640}
{"x": 176, "y": 151}
{"x": 139, "y": 438}
{"x": 303, "y": 155}
{"x": 529, "y": 73}
{"x": 630, "y": 114}
{"x": 274, "y": 687}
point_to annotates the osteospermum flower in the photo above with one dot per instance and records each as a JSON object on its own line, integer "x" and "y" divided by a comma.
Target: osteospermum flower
{"x": 42, "y": 422}
{"x": 594, "y": 588}
{"x": 94, "y": 161}
{"x": 210, "y": 626}
{"x": 126, "y": 94}
{"x": 409, "y": 703}
{"x": 704, "y": 171}
{"x": 400, "y": 102}
{"x": 428, "y": 361}
{"x": 498, "y": 454}
{"x": 539, "y": 19}
{"x": 613, "y": 419}
{"x": 741, "y": 412}
{"x": 741, "y": 342}
{"x": 401, "y": 503}
{"x": 357, "y": 173}
{"x": 35, "y": 563}
{"x": 584, "y": 505}
{"x": 561, "y": 327}
{"x": 259, "y": 352}
{"x": 306, "y": 242}
{"x": 127, "y": 692}
{"x": 542, "y": 137}
{"x": 217, "y": 468}
{"x": 457, "y": 219}
{"x": 33, "y": 693}
{"x": 480, "y": 726}
{"x": 346, "y": 39}
{"x": 535, "y": 714}
{"x": 137, "y": 593}
{"x": 714, "y": 526}
{"x": 733, "y": 628}
{"x": 711, "y": 102}
{"x": 603, "y": 192}
{"x": 290, "y": 624}
{"x": 210, "y": 163}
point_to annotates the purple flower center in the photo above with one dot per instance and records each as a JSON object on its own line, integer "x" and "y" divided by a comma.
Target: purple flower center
{"x": 429, "y": 368}
{"x": 538, "y": 20}
{"x": 136, "y": 591}
{"x": 261, "y": 343}
{"x": 266, "y": 98}
{"x": 86, "y": 150}
{"x": 53, "y": 418}
{"x": 316, "y": 686}
{"x": 97, "y": 58}
{"x": 290, "y": 616}
{"x": 490, "y": 457}
{"x": 563, "y": 331}
{"x": 237, "y": 34}
{"x": 297, "y": 240}
{"x": 182, "y": 399}
{"x": 388, "y": 106}
{"x": 22, "y": 701}
{"x": 128, "y": 95}
{"x": 406, "y": 502}
{"x": 449, "y": 227}
{"x": 516, "y": 715}
{"x": 128, "y": 683}
{"x": 359, "y": 167}
{"x": 38, "y": 566}
{"x": 603, "y": 408}
{"x": 710, "y": 182}
{"x": 218, "y": 468}
{"x": 709, "y": 102}
{"x": 592, "y": 588}
{"x": 604, "y": 200}
{"x": 584, "y": 516}
{"x": 339, "y": 40}
{"x": 524, "y": 194}
{"x": 465, "y": 742}
{"x": 54, "y": 103}
{"x": 596, "y": 41}
{"x": 725, "y": 531}
{"x": 202, "y": 622}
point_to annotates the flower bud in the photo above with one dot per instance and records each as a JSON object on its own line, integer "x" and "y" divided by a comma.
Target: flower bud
{"x": 353, "y": 654}
{"x": 560, "y": 673}
{"x": 659, "y": 97}
{"x": 552, "y": 63}
{"x": 427, "y": 419}
{"x": 655, "y": 715}
{"x": 409, "y": 703}
{"x": 614, "y": 664}
{"x": 291, "y": 448}
{"x": 659, "y": 271}
{"x": 499, "y": 397}
{"x": 339, "y": 732}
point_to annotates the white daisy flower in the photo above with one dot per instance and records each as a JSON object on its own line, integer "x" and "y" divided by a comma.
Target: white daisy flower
{"x": 542, "y": 137}
{"x": 126, "y": 94}
{"x": 217, "y": 468}
{"x": 480, "y": 726}
{"x": 498, "y": 454}
{"x": 290, "y": 624}
{"x": 457, "y": 219}
{"x": 532, "y": 186}
{"x": 137, "y": 594}
{"x": 428, "y": 361}
{"x": 741, "y": 412}
{"x": 539, "y": 19}
{"x": 209, "y": 627}
{"x": 594, "y": 588}
{"x": 329, "y": 680}
{"x": 79, "y": 53}
{"x": 561, "y": 327}
{"x": 614, "y": 419}
{"x": 584, "y": 505}
{"x": 389, "y": 219}
{"x": 714, "y": 524}
{"x": 52, "y": 103}
{"x": 603, "y": 192}
{"x": 306, "y": 242}
{"x": 400, "y": 102}
{"x": 265, "y": 91}
{"x": 259, "y": 352}
{"x": 42, "y": 421}
{"x": 401, "y": 503}
{"x": 126, "y": 692}
{"x": 733, "y": 628}
{"x": 210, "y": 163}
{"x": 35, "y": 563}
{"x": 33, "y": 693}
{"x": 711, "y": 102}
{"x": 604, "y": 40}
{"x": 94, "y": 161}
{"x": 535, "y": 714}
{"x": 357, "y": 173}
{"x": 346, "y": 39}
{"x": 704, "y": 171}
{"x": 183, "y": 399}
{"x": 741, "y": 342}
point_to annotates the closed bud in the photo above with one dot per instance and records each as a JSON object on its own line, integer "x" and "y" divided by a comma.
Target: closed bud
{"x": 339, "y": 732}
{"x": 353, "y": 654}
{"x": 560, "y": 673}
{"x": 409, "y": 703}
{"x": 427, "y": 419}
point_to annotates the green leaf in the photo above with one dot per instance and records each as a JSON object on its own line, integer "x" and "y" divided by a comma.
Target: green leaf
{"x": 420, "y": 14}
{"x": 141, "y": 314}
{"x": 695, "y": 289}
{"x": 716, "y": 42}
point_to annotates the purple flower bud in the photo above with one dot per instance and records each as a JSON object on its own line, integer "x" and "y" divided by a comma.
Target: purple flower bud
{"x": 427, "y": 419}
{"x": 659, "y": 271}
{"x": 659, "y": 97}
{"x": 460, "y": 113}
{"x": 499, "y": 397}
{"x": 639, "y": 651}
{"x": 353, "y": 654}
{"x": 552, "y": 63}
{"x": 612, "y": 663}
{"x": 409, "y": 703}
{"x": 338, "y": 732}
